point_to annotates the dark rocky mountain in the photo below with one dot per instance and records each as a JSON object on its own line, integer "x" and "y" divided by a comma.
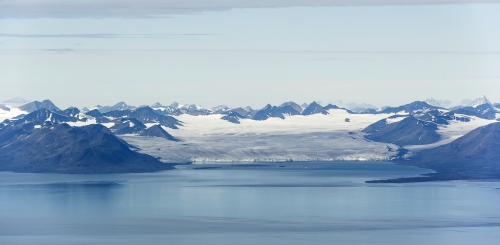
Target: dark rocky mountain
{"x": 118, "y": 114}
{"x": 245, "y": 112}
{"x": 157, "y": 131}
{"x": 94, "y": 113}
{"x": 409, "y": 131}
{"x": 288, "y": 110}
{"x": 485, "y": 111}
{"x": 475, "y": 155}
{"x": 330, "y": 106}
{"x": 134, "y": 126}
{"x": 127, "y": 126}
{"x": 146, "y": 115}
{"x": 232, "y": 117}
{"x": 436, "y": 117}
{"x": 43, "y": 115}
{"x": 36, "y": 105}
{"x": 267, "y": 112}
{"x": 376, "y": 126}
{"x": 70, "y": 112}
{"x": 314, "y": 108}
{"x": 61, "y": 148}
{"x": 411, "y": 108}
{"x": 294, "y": 105}
{"x": 98, "y": 116}
{"x": 496, "y": 105}
{"x": 175, "y": 112}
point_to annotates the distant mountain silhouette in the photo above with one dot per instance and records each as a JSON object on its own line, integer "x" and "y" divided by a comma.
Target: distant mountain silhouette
{"x": 36, "y": 105}
{"x": 410, "y": 108}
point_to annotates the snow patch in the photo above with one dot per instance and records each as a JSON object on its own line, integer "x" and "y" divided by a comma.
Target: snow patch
{"x": 13, "y": 112}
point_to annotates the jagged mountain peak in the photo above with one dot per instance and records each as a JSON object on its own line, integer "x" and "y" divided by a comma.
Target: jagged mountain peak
{"x": 314, "y": 108}
{"x": 479, "y": 101}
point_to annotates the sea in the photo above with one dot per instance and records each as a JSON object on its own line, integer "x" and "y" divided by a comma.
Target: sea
{"x": 259, "y": 203}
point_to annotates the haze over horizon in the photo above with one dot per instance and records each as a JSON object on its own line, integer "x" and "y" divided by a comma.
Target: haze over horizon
{"x": 385, "y": 53}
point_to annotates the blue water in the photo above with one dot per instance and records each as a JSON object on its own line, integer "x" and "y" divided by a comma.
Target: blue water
{"x": 285, "y": 203}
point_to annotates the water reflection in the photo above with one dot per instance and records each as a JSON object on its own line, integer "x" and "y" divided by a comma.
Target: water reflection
{"x": 286, "y": 203}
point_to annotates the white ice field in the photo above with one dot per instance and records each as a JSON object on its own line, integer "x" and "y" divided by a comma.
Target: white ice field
{"x": 208, "y": 139}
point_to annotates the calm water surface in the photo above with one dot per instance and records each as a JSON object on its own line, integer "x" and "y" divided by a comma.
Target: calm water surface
{"x": 286, "y": 203}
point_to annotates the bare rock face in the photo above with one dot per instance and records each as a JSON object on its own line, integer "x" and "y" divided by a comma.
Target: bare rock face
{"x": 314, "y": 108}
{"x": 232, "y": 117}
{"x": 60, "y": 148}
{"x": 476, "y": 154}
{"x": 267, "y": 112}
{"x": 409, "y": 131}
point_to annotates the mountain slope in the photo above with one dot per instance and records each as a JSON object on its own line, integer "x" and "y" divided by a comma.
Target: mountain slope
{"x": 232, "y": 117}
{"x": 43, "y": 115}
{"x": 267, "y": 112}
{"x": 476, "y": 155}
{"x": 294, "y": 105}
{"x": 485, "y": 111}
{"x": 157, "y": 131}
{"x": 61, "y": 148}
{"x": 409, "y": 131}
{"x": 314, "y": 108}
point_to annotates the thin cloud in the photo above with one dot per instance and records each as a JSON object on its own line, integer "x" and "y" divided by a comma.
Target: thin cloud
{"x": 100, "y": 35}
{"x": 165, "y": 8}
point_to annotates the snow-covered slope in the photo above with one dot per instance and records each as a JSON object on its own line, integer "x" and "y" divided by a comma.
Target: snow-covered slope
{"x": 479, "y": 101}
{"x": 10, "y": 113}
{"x": 297, "y": 138}
{"x": 452, "y": 131}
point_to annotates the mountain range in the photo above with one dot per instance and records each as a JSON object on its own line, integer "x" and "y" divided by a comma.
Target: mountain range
{"x": 90, "y": 132}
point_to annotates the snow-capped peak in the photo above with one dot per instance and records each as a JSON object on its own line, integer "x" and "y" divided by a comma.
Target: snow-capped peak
{"x": 479, "y": 101}
{"x": 433, "y": 102}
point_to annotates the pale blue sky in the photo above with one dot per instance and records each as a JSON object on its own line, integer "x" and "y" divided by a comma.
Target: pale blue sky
{"x": 382, "y": 54}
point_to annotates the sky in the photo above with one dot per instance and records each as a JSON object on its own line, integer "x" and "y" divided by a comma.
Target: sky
{"x": 240, "y": 53}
